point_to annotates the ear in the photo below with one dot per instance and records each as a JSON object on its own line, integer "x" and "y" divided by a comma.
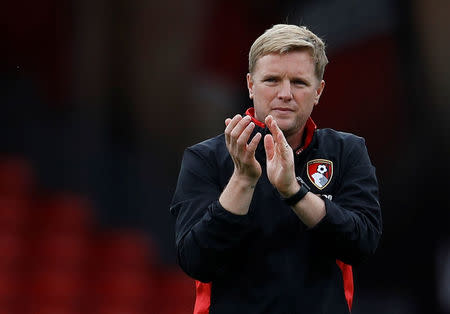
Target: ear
{"x": 319, "y": 91}
{"x": 250, "y": 85}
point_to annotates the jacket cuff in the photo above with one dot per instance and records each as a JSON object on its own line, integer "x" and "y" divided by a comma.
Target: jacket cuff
{"x": 219, "y": 213}
{"x": 333, "y": 219}
{"x": 219, "y": 229}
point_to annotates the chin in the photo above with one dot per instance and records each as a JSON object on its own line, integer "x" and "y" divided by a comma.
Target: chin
{"x": 286, "y": 128}
{"x": 284, "y": 123}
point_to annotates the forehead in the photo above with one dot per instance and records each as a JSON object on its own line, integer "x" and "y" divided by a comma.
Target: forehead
{"x": 299, "y": 62}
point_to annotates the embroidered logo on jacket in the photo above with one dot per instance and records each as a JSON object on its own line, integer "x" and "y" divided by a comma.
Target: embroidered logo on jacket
{"x": 320, "y": 172}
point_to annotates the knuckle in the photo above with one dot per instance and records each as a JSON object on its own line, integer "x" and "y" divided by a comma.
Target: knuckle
{"x": 234, "y": 134}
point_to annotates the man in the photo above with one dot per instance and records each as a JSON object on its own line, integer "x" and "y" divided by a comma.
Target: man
{"x": 271, "y": 214}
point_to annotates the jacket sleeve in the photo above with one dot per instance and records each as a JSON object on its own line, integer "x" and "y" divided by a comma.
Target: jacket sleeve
{"x": 352, "y": 225}
{"x": 206, "y": 234}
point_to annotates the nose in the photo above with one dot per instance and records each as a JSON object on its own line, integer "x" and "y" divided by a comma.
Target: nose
{"x": 284, "y": 93}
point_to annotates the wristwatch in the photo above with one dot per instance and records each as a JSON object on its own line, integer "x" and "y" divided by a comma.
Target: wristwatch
{"x": 294, "y": 199}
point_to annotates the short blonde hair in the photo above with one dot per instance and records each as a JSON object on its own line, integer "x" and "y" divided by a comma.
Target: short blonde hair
{"x": 284, "y": 38}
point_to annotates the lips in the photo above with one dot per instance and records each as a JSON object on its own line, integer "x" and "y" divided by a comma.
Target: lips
{"x": 282, "y": 109}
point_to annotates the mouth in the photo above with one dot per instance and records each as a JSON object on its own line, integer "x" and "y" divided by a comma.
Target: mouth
{"x": 282, "y": 109}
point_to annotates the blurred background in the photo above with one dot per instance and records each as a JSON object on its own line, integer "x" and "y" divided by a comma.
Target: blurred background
{"x": 100, "y": 98}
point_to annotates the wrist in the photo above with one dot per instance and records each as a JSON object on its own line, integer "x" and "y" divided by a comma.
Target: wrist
{"x": 243, "y": 180}
{"x": 291, "y": 190}
{"x": 293, "y": 199}
{"x": 238, "y": 194}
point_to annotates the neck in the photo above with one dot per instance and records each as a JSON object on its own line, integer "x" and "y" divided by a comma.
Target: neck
{"x": 295, "y": 140}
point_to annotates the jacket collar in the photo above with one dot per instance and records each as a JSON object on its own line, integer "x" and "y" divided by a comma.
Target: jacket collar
{"x": 310, "y": 129}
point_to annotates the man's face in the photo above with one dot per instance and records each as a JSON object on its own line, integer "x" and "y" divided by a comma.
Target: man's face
{"x": 285, "y": 86}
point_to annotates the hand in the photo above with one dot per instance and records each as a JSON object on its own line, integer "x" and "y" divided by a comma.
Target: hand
{"x": 237, "y": 134}
{"x": 280, "y": 160}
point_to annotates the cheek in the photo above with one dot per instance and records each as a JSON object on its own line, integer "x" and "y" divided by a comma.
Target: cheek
{"x": 305, "y": 97}
{"x": 264, "y": 89}
{"x": 262, "y": 94}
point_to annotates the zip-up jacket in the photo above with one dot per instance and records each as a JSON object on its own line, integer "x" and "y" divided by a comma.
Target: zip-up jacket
{"x": 268, "y": 261}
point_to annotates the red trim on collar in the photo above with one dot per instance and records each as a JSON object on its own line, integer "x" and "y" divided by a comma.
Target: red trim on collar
{"x": 310, "y": 128}
{"x": 251, "y": 112}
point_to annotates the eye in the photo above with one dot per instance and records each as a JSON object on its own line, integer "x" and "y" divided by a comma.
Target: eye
{"x": 299, "y": 82}
{"x": 270, "y": 79}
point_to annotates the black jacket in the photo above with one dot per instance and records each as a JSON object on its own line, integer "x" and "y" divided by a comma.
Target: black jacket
{"x": 268, "y": 261}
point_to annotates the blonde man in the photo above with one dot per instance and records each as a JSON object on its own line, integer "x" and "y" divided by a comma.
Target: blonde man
{"x": 253, "y": 226}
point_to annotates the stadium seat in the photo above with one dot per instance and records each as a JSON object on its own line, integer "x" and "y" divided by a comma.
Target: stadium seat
{"x": 53, "y": 309}
{"x": 61, "y": 250}
{"x": 124, "y": 249}
{"x": 174, "y": 282}
{"x": 123, "y": 288}
{"x": 14, "y": 213}
{"x": 10, "y": 287}
{"x": 115, "y": 309}
{"x": 55, "y": 287}
{"x": 54, "y": 261}
{"x": 12, "y": 249}
{"x": 64, "y": 212}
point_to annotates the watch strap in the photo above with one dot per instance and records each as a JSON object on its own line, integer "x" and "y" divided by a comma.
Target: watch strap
{"x": 294, "y": 199}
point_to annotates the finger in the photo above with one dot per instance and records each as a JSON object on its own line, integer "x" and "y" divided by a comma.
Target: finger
{"x": 271, "y": 124}
{"x": 227, "y": 121}
{"x": 278, "y": 135}
{"x": 231, "y": 126}
{"x": 235, "y": 120}
{"x": 239, "y": 128}
{"x": 269, "y": 146}
{"x": 245, "y": 135}
{"x": 273, "y": 127}
{"x": 251, "y": 147}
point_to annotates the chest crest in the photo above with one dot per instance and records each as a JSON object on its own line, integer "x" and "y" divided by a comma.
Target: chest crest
{"x": 320, "y": 172}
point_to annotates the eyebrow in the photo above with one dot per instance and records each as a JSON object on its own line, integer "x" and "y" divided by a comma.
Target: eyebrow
{"x": 269, "y": 75}
{"x": 294, "y": 78}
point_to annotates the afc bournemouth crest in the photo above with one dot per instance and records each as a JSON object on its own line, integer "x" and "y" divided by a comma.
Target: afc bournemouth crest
{"x": 320, "y": 172}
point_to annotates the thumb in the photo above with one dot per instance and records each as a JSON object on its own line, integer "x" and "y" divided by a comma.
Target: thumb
{"x": 269, "y": 146}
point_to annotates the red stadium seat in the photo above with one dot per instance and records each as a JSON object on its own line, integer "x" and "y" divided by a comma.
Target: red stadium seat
{"x": 114, "y": 309}
{"x": 53, "y": 309}
{"x": 10, "y": 287}
{"x": 174, "y": 282}
{"x": 63, "y": 251}
{"x": 12, "y": 249}
{"x": 52, "y": 261}
{"x": 14, "y": 214}
{"x": 123, "y": 271}
{"x": 123, "y": 288}
{"x": 127, "y": 249}
{"x": 64, "y": 212}
{"x": 55, "y": 287}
